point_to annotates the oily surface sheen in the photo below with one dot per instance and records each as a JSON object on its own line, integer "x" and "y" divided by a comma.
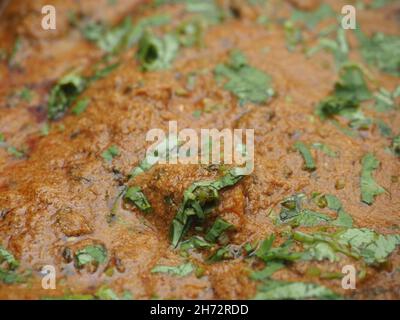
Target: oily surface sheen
{"x": 61, "y": 193}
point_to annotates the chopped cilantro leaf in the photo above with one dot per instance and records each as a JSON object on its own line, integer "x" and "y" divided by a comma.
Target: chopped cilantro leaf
{"x": 396, "y": 146}
{"x": 180, "y": 271}
{"x": 8, "y": 268}
{"x": 70, "y": 297}
{"x": 8, "y": 277}
{"x": 303, "y": 217}
{"x": 343, "y": 219}
{"x": 308, "y": 218}
{"x": 320, "y": 251}
{"x": 12, "y": 59}
{"x": 339, "y": 47}
{"x": 136, "y": 195}
{"x": 197, "y": 114}
{"x": 325, "y": 149}
{"x": 113, "y": 39}
{"x": 217, "y": 229}
{"x": 348, "y": 108}
{"x": 156, "y": 53}
{"x": 351, "y": 84}
{"x": 103, "y": 72}
{"x": 334, "y": 105}
{"x": 382, "y": 51}
{"x": 384, "y": 100}
{"x": 268, "y": 271}
{"x": 11, "y": 277}
{"x": 305, "y": 152}
{"x": 312, "y": 18}
{"x": 94, "y": 254}
{"x": 349, "y": 91}
{"x": 223, "y": 253}
{"x": 247, "y": 83}
{"x": 293, "y": 35}
{"x": 15, "y": 152}
{"x": 68, "y": 88}
{"x": 332, "y": 202}
{"x": 45, "y": 129}
{"x": 81, "y": 106}
{"x": 374, "y": 248}
{"x": 282, "y": 253}
{"x": 369, "y": 188}
{"x": 278, "y": 290}
{"x": 135, "y": 33}
{"x": 291, "y": 207}
{"x": 190, "y": 33}
{"x": 207, "y": 8}
{"x": 104, "y": 293}
{"x": 123, "y": 35}
{"x": 110, "y": 153}
{"x": 26, "y": 94}
{"x": 363, "y": 243}
{"x": 195, "y": 242}
{"x": 64, "y": 94}
{"x": 6, "y": 256}
{"x": 93, "y": 30}
{"x": 292, "y": 212}
{"x": 198, "y": 200}
{"x": 384, "y": 129}
{"x": 330, "y": 239}
{"x": 376, "y": 4}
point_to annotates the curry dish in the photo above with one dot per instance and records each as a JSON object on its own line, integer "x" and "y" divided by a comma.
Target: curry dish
{"x": 79, "y": 195}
